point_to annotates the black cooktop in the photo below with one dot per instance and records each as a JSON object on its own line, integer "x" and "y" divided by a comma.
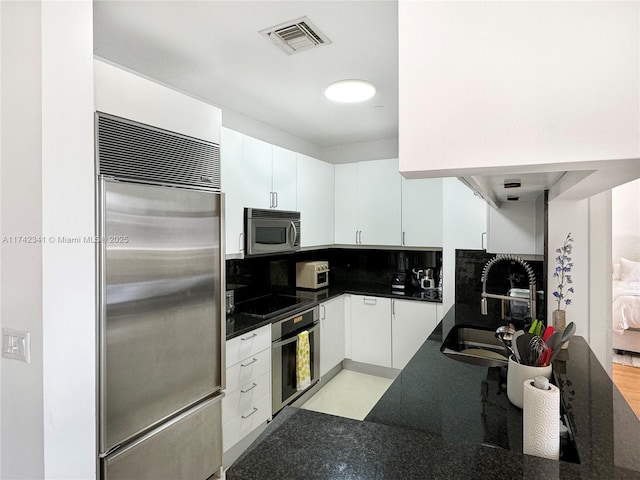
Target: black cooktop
{"x": 269, "y": 306}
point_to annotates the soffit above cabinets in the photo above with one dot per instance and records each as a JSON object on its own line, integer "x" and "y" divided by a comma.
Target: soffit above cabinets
{"x": 492, "y": 187}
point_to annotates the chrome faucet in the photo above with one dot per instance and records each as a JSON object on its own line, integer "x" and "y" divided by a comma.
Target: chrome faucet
{"x": 532, "y": 283}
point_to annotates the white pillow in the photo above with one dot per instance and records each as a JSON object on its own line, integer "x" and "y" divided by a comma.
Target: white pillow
{"x": 629, "y": 270}
{"x": 616, "y": 272}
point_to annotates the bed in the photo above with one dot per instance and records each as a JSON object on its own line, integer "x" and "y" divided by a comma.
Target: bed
{"x": 626, "y": 306}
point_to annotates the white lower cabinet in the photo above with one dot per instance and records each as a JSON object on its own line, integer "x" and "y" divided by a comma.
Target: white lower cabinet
{"x": 332, "y": 333}
{"x": 247, "y": 403}
{"x": 411, "y": 325}
{"x": 371, "y": 330}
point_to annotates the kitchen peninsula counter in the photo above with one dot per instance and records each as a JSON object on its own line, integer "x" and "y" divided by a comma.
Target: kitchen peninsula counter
{"x": 443, "y": 419}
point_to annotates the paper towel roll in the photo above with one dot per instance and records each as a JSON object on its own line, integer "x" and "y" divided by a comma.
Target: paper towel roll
{"x": 541, "y": 421}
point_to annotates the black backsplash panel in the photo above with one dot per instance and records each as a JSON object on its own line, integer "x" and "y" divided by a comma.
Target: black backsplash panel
{"x": 251, "y": 277}
{"x": 503, "y": 276}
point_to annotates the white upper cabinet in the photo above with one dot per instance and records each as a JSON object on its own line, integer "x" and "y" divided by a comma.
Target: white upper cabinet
{"x": 368, "y": 203}
{"x": 232, "y": 175}
{"x": 422, "y": 212}
{"x": 379, "y": 197}
{"x": 315, "y": 194}
{"x": 284, "y": 181}
{"x": 346, "y": 216}
{"x": 516, "y": 228}
{"x": 256, "y": 173}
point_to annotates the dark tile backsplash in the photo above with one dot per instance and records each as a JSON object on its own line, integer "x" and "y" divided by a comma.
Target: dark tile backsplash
{"x": 503, "y": 276}
{"x": 251, "y": 277}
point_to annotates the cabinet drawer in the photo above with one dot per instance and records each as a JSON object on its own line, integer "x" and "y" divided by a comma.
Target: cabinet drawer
{"x": 246, "y": 370}
{"x": 241, "y": 425}
{"x": 242, "y": 399}
{"x": 248, "y": 344}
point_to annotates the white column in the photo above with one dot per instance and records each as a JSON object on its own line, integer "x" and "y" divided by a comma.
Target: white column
{"x": 68, "y": 267}
{"x": 21, "y": 416}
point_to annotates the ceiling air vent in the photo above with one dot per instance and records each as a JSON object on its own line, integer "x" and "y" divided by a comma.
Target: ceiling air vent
{"x": 296, "y": 36}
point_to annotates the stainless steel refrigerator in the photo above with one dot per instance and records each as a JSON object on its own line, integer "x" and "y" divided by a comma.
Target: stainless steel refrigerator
{"x": 161, "y": 330}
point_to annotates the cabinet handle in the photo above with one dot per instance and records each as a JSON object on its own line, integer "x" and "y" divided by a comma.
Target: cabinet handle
{"x": 393, "y": 307}
{"x": 241, "y": 241}
{"x": 275, "y": 196}
{"x": 249, "y": 337}
{"x": 369, "y": 301}
{"x": 250, "y": 363}
{"x": 270, "y": 199}
{"x": 249, "y": 389}
{"x": 254, "y": 411}
{"x": 403, "y": 238}
{"x": 324, "y": 312}
{"x": 484, "y": 234}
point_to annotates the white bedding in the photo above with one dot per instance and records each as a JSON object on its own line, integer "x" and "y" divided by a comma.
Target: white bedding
{"x": 626, "y": 306}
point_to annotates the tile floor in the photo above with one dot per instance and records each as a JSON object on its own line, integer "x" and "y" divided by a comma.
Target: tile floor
{"x": 349, "y": 394}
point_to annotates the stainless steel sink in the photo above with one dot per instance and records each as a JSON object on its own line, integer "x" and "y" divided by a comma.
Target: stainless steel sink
{"x": 475, "y": 345}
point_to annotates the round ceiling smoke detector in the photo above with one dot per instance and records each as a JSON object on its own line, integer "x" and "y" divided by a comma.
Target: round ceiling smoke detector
{"x": 350, "y": 91}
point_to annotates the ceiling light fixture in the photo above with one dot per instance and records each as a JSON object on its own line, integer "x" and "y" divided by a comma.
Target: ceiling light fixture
{"x": 350, "y": 91}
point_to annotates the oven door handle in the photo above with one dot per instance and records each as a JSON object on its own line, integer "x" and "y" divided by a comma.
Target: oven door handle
{"x": 294, "y": 338}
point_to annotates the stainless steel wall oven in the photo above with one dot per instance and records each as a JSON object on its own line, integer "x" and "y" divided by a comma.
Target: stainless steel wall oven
{"x": 284, "y": 347}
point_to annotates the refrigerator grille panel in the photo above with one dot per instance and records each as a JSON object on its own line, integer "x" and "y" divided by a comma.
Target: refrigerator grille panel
{"x": 132, "y": 150}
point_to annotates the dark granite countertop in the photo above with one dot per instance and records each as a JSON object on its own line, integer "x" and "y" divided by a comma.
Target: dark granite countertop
{"x": 239, "y": 324}
{"x": 445, "y": 419}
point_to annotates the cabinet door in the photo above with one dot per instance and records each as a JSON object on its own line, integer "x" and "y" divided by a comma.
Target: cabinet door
{"x": 379, "y": 197}
{"x": 422, "y": 212}
{"x": 315, "y": 201}
{"x": 512, "y": 228}
{"x": 463, "y": 226}
{"x": 232, "y": 174}
{"x": 371, "y": 330}
{"x": 346, "y": 207}
{"x": 412, "y": 324}
{"x": 257, "y": 173}
{"x": 284, "y": 179}
{"x": 332, "y": 334}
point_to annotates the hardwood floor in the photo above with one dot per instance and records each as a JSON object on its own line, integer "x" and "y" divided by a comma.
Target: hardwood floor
{"x": 627, "y": 379}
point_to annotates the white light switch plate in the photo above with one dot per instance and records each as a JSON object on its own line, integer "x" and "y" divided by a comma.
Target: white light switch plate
{"x": 16, "y": 344}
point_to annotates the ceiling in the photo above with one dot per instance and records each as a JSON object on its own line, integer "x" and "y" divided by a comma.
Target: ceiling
{"x": 213, "y": 50}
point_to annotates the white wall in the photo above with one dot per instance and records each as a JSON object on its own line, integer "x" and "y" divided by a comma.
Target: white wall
{"x": 625, "y": 221}
{"x": 21, "y": 214}
{"x": 48, "y": 406}
{"x": 589, "y": 222}
{"x": 68, "y": 270}
{"x": 565, "y": 217}
{"x": 378, "y": 149}
{"x": 502, "y": 84}
{"x": 600, "y": 278}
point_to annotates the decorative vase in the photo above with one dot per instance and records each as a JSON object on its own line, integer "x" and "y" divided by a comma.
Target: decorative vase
{"x": 560, "y": 323}
{"x": 559, "y": 320}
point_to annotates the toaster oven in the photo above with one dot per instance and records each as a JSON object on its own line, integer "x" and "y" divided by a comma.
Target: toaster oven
{"x": 312, "y": 275}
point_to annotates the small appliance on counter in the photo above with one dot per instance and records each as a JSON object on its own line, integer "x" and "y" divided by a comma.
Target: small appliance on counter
{"x": 312, "y": 275}
{"x": 422, "y": 278}
{"x": 399, "y": 282}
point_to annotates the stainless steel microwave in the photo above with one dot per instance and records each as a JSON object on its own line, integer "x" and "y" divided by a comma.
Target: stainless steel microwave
{"x": 271, "y": 231}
